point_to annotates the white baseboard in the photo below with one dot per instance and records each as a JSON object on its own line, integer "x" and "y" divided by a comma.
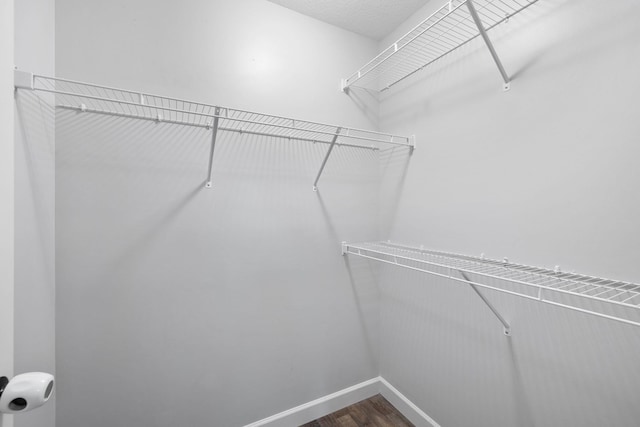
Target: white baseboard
{"x": 320, "y": 407}
{"x": 406, "y": 407}
{"x": 326, "y": 405}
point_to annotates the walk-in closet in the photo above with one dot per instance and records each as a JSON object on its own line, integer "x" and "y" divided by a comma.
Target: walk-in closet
{"x": 284, "y": 213}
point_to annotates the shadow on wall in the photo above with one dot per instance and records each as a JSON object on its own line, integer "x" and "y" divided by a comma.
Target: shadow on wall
{"x": 393, "y": 164}
{"x": 119, "y": 143}
{"x": 367, "y": 101}
{"x": 364, "y": 288}
{"x": 394, "y": 167}
{"x": 439, "y": 333}
{"x": 327, "y": 219}
{"x": 366, "y": 295}
{"x": 524, "y": 413}
{"x": 129, "y": 257}
{"x": 34, "y": 243}
{"x": 237, "y": 280}
{"x": 36, "y": 122}
{"x": 150, "y": 173}
{"x": 126, "y": 147}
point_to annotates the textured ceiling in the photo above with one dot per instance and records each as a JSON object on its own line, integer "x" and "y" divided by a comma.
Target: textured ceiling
{"x": 371, "y": 18}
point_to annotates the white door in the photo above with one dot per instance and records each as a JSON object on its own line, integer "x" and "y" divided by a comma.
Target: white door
{"x": 6, "y": 194}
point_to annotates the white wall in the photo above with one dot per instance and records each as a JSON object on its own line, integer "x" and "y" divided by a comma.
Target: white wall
{"x": 545, "y": 175}
{"x": 183, "y": 306}
{"x": 6, "y": 196}
{"x": 238, "y": 54}
{"x": 237, "y": 295}
{"x": 35, "y": 204}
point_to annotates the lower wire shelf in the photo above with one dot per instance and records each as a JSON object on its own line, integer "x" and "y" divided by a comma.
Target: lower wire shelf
{"x": 610, "y": 299}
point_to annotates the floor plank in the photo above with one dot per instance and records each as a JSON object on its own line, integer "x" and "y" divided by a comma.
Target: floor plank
{"x": 373, "y": 412}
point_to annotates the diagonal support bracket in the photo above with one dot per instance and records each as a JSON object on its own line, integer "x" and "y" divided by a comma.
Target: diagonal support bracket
{"x": 214, "y": 135}
{"x": 505, "y": 324}
{"x": 326, "y": 157}
{"x": 483, "y": 32}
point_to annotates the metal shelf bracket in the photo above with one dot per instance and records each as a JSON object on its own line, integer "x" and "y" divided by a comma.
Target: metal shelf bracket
{"x": 343, "y": 86}
{"x": 505, "y": 324}
{"x": 326, "y": 157}
{"x": 214, "y": 134}
{"x": 23, "y": 80}
{"x": 483, "y": 32}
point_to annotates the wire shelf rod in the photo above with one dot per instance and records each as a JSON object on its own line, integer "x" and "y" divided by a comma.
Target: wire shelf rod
{"x": 98, "y": 99}
{"x": 589, "y": 284}
{"x": 487, "y": 28}
{"x": 577, "y": 278}
{"x": 400, "y": 48}
{"x": 446, "y": 276}
{"x": 627, "y": 299}
{"x": 379, "y": 136}
{"x": 213, "y": 116}
{"x": 491, "y": 276}
{"x": 205, "y": 126}
{"x": 434, "y": 264}
{"x": 506, "y": 291}
{"x": 448, "y": 28}
{"x": 365, "y": 251}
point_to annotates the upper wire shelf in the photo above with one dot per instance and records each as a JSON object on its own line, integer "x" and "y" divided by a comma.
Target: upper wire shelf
{"x": 94, "y": 98}
{"x": 606, "y": 298}
{"x": 448, "y": 28}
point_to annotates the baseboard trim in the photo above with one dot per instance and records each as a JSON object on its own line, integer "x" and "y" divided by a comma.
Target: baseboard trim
{"x": 320, "y": 407}
{"x": 326, "y": 405}
{"x": 406, "y": 407}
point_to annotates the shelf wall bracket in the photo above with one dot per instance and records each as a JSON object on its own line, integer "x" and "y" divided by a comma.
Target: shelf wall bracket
{"x": 23, "y": 80}
{"x": 483, "y": 32}
{"x": 505, "y": 324}
{"x": 343, "y": 86}
{"x": 214, "y": 135}
{"x": 326, "y": 157}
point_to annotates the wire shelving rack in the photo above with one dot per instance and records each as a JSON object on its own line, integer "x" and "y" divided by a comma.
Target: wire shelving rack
{"x": 451, "y": 26}
{"x": 610, "y": 299}
{"x": 93, "y": 98}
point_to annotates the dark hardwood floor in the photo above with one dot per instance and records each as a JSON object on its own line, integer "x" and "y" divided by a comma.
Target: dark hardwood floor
{"x": 373, "y": 412}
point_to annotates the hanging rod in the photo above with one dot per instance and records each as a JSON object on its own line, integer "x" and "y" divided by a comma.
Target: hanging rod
{"x": 99, "y": 99}
{"x": 448, "y": 28}
{"x": 609, "y": 299}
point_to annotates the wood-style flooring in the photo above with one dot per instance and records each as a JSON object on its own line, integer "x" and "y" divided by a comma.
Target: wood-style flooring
{"x": 373, "y": 412}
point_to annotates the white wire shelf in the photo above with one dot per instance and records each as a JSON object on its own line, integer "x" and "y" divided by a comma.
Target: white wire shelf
{"x": 107, "y": 100}
{"x": 93, "y": 98}
{"x": 447, "y": 29}
{"x": 611, "y": 299}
